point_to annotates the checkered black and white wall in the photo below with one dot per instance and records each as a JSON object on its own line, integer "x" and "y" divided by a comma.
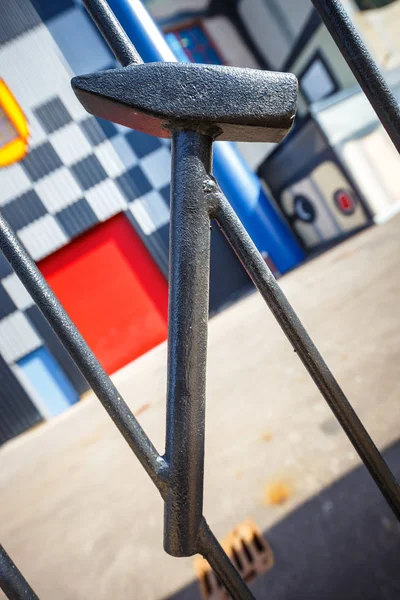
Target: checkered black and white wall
{"x": 79, "y": 170}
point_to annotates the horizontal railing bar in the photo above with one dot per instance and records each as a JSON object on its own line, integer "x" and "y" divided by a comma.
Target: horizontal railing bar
{"x": 288, "y": 320}
{"x": 12, "y": 582}
{"x": 100, "y": 382}
{"x": 362, "y": 64}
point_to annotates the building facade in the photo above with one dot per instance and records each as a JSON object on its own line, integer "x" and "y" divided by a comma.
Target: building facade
{"x": 329, "y": 181}
{"x": 92, "y": 198}
{"x": 90, "y": 203}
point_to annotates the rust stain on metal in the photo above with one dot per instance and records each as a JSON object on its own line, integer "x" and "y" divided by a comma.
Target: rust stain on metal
{"x": 249, "y": 552}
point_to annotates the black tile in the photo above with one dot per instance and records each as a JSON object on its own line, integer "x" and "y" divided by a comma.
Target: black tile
{"x": 89, "y": 172}
{"x": 57, "y": 349}
{"x": 24, "y": 210}
{"x": 108, "y": 128}
{"x": 41, "y": 161}
{"x": 166, "y": 193}
{"x": 133, "y": 183}
{"x": 142, "y": 144}
{"x": 7, "y": 306}
{"x": 76, "y": 218}
{"x": 17, "y": 17}
{"x": 93, "y": 131}
{"x": 5, "y": 267}
{"x": 48, "y": 9}
{"x": 53, "y": 115}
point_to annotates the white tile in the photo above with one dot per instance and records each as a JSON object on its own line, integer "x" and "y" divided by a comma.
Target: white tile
{"x": 109, "y": 159}
{"x": 150, "y": 211}
{"x": 317, "y": 83}
{"x": 42, "y": 237}
{"x": 157, "y": 167}
{"x": 122, "y": 129}
{"x": 124, "y": 151}
{"x": 70, "y": 143}
{"x": 17, "y": 337}
{"x": 33, "y": 68}
{"x": 105, "y": 199}
{"x": 13, "y": 182}
{"x": 17, "y": 291}
{"x": 58, "y": 190}
{"x": 36, "y": 71}
{"x": 142, "y": 217}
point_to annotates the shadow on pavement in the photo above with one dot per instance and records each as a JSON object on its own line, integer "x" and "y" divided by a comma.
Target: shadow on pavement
{"x": 343, "y": 544}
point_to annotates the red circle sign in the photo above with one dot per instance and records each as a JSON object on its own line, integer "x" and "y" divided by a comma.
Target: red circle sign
{"x": 345, "y": 202}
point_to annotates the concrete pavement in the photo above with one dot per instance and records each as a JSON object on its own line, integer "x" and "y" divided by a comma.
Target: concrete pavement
{"x": 79, "y": 515}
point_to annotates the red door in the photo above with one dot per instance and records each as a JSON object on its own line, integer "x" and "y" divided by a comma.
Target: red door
{"x": 111, "y": 288}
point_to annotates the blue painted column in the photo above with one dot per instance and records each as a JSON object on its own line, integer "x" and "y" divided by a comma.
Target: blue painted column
{"x": 241, "y": 186}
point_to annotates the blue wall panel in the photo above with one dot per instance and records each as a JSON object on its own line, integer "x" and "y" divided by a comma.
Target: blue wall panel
{"x": 48, "y": 380}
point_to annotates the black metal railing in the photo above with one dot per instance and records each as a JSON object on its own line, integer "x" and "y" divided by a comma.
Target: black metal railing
{"x": 193, "y": 107}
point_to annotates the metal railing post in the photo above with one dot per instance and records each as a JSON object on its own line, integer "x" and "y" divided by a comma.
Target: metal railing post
{"x": 187, "y": 340}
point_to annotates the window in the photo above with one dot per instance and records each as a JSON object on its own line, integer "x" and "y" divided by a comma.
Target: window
{"x": 195, "y": 43}
{"x": 316, "y": 80}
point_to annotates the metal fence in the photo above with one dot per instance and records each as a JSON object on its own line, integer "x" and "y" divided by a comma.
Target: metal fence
{"x": 195, "y": 104}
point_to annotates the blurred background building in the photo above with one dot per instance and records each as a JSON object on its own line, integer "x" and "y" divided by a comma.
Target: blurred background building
{"x": 91, "y": 197}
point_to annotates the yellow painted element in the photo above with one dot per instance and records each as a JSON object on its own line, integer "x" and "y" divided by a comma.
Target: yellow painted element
{"x": 14, "y": 129}
{"x": 277, "y": 493}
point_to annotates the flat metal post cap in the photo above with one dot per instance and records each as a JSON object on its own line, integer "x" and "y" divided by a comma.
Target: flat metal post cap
{"x": 228, "y": 103}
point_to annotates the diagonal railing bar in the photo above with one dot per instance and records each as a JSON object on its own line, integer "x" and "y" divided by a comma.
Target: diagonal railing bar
{"x": 100, "y": 382}
{"x": 362, "y": 64}
{"x": 87, "y": 362}
{"x": 134, "y": 93}
{"x": 112, "y": 32}
{"x": 12, "y": 582}
{"x": 291, "y": 325}
{"x": 187, "y": 340}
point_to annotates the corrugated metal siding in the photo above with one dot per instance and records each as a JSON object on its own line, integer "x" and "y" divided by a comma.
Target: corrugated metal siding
{"x": 17, "y": 412}
{"x": 57, "y": 349}
{"x": 17, "y": 337}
